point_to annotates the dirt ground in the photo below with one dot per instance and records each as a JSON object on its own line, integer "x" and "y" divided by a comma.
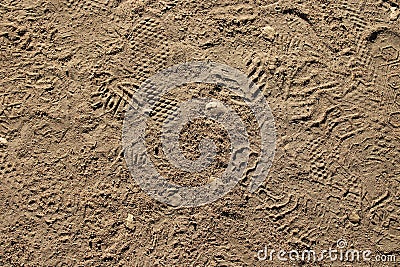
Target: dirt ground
{"x": 329, "y": 70}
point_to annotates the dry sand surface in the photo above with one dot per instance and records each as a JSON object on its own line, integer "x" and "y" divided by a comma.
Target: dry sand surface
{"x": 329, "y": 70}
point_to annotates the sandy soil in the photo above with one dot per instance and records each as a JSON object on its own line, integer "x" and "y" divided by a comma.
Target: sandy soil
{"x": 328, "y": 69}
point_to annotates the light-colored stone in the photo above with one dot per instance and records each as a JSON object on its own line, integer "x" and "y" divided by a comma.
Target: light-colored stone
{"x": 129, "y": 222}
{"x": 3, "y": 141}
{"x": 268, "y": 33}
{"x": 215, "y": 108}
{"x": 394, "y": 14}
{"x": 354, "y": 217}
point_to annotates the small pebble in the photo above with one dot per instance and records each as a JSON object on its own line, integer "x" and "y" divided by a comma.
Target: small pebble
{"x": 215, "y": 108}
{"x": 3, "y": 141}
{"x": 354, "y": 217}
{"x": 129, "y": 222}
{"x": 268, "y": 33}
